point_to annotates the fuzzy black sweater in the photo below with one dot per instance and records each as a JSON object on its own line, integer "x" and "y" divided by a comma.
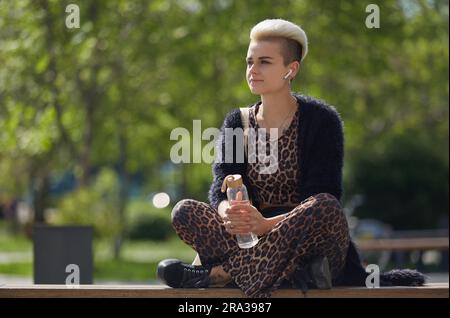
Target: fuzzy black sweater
{"x": 320, "y": 145}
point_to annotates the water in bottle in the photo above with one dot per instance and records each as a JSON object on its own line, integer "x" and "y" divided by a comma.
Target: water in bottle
{"x": 237, "y": 193}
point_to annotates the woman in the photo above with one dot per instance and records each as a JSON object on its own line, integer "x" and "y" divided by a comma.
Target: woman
{"x": 295, "y": 210}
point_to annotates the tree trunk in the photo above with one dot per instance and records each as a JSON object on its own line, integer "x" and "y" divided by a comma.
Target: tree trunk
{"x": 41, "y": 186}
{"x": 123, "y": 189}
{"x": 88, "y": 135}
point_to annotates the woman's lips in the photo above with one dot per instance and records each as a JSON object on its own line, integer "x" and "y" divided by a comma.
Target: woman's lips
{"x": 255, "y": 81}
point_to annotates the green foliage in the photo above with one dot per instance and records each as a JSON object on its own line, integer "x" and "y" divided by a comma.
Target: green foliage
{"x": 151, "y": 227}
{"x": 95, "y": 205}
{"x": 148, "y": 223}
{"x": 110, "y": 92}
{"x": 405, "y": 186}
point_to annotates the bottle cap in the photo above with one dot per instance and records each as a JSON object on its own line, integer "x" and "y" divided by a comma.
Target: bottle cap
{"x": 231, "y": 181}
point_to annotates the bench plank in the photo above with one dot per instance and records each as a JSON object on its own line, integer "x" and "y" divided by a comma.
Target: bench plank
{"x": 438, "y": 243}
{"x": 436, "y": 290}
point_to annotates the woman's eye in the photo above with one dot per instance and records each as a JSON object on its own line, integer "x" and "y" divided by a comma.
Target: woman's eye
{"x": 262, "y": 62}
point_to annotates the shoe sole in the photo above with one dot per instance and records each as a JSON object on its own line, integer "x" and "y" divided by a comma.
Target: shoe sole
{"x": 320, "y": 272}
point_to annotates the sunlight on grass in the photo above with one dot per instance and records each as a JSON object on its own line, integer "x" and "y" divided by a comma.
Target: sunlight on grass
{"x": 15, "y": 244}
{"x": 155, "y": 251}
{"x": 146, "y": 251}
{"x": 125, "y": 271}
{"x": 113, "y": 270}
{"x": 138, "y": 259}
{"x": 20, "y": 269}
{"x": 137, "y": 263}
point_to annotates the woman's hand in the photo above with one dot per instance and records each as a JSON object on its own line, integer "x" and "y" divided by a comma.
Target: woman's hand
{"x": 242, "y": 218}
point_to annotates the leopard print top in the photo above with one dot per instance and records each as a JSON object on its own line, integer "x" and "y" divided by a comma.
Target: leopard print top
{"x": 280, "y": 187}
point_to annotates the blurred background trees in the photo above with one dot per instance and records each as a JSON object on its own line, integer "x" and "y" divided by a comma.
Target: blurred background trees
{"x": 86, "y": 114}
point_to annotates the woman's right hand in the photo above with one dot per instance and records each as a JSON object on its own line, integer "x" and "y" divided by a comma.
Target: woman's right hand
{"x": 236, "y": 223}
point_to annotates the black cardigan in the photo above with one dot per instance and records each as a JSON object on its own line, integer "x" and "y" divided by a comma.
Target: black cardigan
{"x": 320, "y": 145}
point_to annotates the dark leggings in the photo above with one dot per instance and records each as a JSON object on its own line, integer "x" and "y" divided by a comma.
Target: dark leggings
{"x": 316, "y": 227}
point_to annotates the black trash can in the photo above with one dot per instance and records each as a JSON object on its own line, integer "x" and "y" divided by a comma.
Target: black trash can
{"x": 59, "y": 250}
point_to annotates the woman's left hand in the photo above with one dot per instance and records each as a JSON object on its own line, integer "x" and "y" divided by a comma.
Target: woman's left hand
{"x": 248, "y": 214}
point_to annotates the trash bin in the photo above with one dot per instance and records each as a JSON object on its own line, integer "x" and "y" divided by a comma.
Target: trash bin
{"x": 57, "y": 250}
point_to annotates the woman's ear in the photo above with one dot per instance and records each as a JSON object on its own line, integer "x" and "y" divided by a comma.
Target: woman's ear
{"x": 295, "y": 66}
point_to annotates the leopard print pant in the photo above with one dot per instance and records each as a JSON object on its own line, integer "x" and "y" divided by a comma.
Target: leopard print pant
{"x": 316, "y": 227}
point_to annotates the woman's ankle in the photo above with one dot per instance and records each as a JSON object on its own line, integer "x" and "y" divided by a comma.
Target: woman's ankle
{"x": 218, "y": 277}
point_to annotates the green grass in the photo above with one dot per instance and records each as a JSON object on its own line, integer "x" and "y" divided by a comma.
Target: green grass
{"x": 137, "y": 263}
{"x": 15, "y": 244}
{"x": 155, "y": 251}
{"x": 115, "y": 270}
{"x": 10, "y": 242}
{"x": 123, "y": 270}
{"x": 18, "y": 269}
{"x": 138, "y": 259}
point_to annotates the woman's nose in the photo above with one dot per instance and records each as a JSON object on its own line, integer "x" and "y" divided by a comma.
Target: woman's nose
{"x": 252, "y": 69}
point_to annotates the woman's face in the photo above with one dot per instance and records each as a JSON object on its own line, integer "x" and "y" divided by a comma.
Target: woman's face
{"x": 265, "y": 68}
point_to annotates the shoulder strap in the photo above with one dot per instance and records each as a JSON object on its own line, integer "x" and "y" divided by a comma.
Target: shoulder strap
{"x": 245, "y": 113}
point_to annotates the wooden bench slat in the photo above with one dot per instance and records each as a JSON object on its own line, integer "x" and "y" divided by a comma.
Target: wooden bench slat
{"x": 438, "y": 243}
{"x": 436, "y": 290}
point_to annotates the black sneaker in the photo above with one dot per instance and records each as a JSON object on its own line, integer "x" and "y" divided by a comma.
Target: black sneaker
{"x": 176, "y": 274}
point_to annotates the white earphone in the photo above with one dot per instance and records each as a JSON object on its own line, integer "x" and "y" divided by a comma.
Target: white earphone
{"x": 287, "y": 75}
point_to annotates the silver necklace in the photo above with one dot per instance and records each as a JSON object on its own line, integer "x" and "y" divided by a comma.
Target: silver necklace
{"x": 284, "y": 121}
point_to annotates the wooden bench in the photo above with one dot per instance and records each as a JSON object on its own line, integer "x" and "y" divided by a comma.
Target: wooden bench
{"x": 437, "y": 290}
{"x": 404, "y": 244}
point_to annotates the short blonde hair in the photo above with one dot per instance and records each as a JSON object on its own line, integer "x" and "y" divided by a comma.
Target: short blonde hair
{"x": 295, "y": 44}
